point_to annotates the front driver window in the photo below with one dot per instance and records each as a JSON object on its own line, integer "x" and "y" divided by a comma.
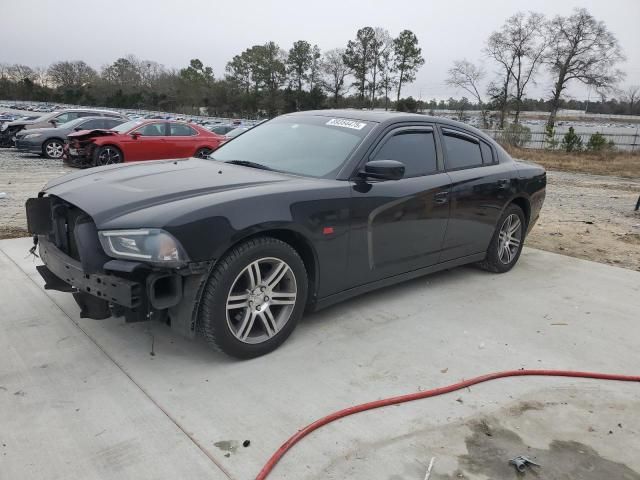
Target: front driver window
{"x": 415, "y": 149}
{"x": 66, "y": 117}
{"x": 151, "y": 130}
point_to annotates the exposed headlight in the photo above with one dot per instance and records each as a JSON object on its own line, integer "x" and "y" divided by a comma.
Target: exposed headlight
{"x": 32, "y": 135}
{"x": 150, "y": 245}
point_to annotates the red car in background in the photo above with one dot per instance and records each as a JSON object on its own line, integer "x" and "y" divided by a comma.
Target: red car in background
{"x": 140, "y": 140}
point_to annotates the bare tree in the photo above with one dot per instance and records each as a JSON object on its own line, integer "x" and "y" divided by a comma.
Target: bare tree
{"x": 4, "y": 71}
{"x": 20, "y": 73}
{"x": 467, "y": 76}
{"x": 497, "y": 49}
{"x": 382, "y": 42}
{"x": 581, "y": 48}
{"x": 518, "y": 49}
{"x": 71, "y": 74}
{"x": 388, "y": 77}
{"x": 631, "y": 95}
{"x": 314, "y": 68}
{"x": 41, "y": 77}
{"x": 528, "y": 44}
{"x": 334, "y": 70}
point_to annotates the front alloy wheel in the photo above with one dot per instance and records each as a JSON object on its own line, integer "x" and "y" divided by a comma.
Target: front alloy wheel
{"x": 261, "y": 300}
{"x": 107, "y": 155}
{"x": 254, "y": 297}
{"x": 53, "y": 149}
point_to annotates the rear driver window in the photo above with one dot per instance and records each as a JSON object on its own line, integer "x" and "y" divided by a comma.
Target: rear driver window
{"x": 461, "y": 153}
{"x": 417, "y": 150}
{"x": 180, "y": 130}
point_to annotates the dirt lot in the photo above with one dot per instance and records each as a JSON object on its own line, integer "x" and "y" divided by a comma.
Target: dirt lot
{"x": 586, "y": 216}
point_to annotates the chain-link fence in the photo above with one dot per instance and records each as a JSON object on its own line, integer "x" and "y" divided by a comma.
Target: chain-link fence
{"x": 525, "y": 138}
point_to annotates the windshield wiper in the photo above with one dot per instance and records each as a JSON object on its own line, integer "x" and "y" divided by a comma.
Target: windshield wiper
{"x": 247, "y": 163}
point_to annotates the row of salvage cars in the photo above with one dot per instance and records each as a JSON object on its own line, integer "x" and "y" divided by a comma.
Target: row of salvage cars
{"x": 88, "y": 137}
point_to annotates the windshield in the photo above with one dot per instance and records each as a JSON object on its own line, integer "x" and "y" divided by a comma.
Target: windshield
{"x": 304, "y": 145}
{"x": 126, "y": 126}
{"x": 73, "y": 123}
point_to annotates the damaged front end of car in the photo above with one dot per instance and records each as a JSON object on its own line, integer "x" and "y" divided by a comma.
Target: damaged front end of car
{"x": 8, "y": 133}
{"x": 139, "y": 274}
{"x": 79, "y": 147}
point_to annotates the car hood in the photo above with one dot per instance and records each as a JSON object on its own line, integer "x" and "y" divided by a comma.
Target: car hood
{"x": 109, "y": 192}
{"x": 20, "y": 123}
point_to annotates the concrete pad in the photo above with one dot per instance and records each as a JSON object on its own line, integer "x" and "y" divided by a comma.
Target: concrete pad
{"x": 551, "y": 311}
{"x": 67, "y": 411}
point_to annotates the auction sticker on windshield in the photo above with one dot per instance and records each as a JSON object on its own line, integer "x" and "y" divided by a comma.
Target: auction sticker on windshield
{"x": 341, "y": 122}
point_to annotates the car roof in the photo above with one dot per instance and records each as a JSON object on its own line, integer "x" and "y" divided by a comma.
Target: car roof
{"x": 389, "y": 117}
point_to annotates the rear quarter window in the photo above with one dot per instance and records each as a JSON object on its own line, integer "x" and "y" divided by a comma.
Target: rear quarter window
{"x": 487, "y": 153}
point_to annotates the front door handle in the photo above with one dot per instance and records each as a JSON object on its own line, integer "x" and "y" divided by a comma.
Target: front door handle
{"x": 441, "y": 198}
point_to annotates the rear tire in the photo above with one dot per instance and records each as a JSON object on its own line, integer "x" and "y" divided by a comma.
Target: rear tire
{"x": 506, "y": 245}
{"x": 53, "y": 149}
{"x": 107, "y": 155}
{"x": 253, "y": 298}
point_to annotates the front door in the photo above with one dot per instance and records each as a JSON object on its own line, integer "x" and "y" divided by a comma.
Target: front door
{"x": 399, "y": 225}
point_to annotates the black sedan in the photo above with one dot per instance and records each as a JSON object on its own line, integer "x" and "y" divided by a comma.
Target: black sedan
{"x": 303, "y": 211}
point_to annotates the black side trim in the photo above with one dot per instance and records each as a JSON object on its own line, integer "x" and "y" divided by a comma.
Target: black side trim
{"x": 385, "y": 282}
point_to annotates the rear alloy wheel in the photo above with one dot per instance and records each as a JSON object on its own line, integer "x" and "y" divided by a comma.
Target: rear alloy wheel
{"x": 107, "y": 155}
{"x": 203, "y": 153}
{"x": 53, "y": 149}
{"x": 254, "y": 297}
{"x": 506, "y": 244}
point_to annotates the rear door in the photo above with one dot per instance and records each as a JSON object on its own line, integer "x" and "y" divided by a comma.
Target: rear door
{"x": 479, "y": 189}
{"x": 399, "y": 226}
{"x": 182, "y": 140}
{"x": 149, "y": 143}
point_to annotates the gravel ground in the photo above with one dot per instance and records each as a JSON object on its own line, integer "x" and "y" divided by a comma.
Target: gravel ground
{"x": 590, "y": 217}
{"x": 585, "y": 216}
{"x": 22, "y": 176}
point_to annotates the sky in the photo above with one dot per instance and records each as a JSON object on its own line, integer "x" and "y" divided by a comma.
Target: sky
{"x": 40, "y": 32}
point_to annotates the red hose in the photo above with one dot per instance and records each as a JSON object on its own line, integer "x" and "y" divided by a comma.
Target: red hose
{"x": 286, "y": 446}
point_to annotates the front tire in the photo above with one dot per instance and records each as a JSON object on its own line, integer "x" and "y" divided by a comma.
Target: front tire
{"x": 53, "y": 149}
{"x": 253, "y": 298}
{"x": 107, "y": 155}
{"x": 506, "y": 244}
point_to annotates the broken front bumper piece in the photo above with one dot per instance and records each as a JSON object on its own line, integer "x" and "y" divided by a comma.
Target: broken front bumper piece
{"x": 93, "y": 292}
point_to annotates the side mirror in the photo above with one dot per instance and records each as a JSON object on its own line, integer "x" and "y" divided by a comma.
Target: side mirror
{"x": 135, "y": 135}
{"x": 53, "y": 122}
{"x": 383, "y": 170}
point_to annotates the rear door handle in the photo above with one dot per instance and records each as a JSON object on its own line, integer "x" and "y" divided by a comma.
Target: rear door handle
{"x": 441, "y": 198}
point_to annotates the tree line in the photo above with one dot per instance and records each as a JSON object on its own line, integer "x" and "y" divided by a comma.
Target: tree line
{"x": 370, "y": 71}
{"x": 263, "y": 80}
